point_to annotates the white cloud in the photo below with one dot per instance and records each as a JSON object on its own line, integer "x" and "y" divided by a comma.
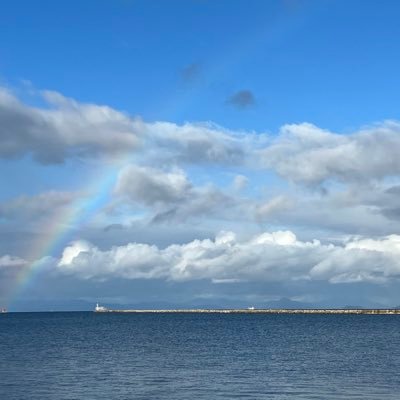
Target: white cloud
{"x": 198, "y": 143}
{"x": 64, "y": 129}
{"x": 8, "y": 261}
{"x": 302, "y": 153}
{"x": 70, "y": 252}
{"x": 276, "y": 256}
{"x": 306, "y": 154}
{"x": 364, "y": 202}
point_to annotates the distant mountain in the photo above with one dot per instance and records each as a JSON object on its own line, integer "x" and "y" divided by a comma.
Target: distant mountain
{"x": 354, "y": 307}
{"x": 216, "y": 303}
{"x": 219, "y": 303}
{"x": 285, "y": 302}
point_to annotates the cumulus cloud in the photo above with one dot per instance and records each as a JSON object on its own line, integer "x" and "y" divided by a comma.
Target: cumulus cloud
{"x": 359, "y": 170}
{"x": 169, "y": 194}
{"x": 341, "y": 212}
{"x": 242, "y": 99}
{"x": 151, "y": 186}
{"x": 362, "y": 260}
{"x": 368, "y": 208}
{"x": 64, "y": 129}
{"x": 204, "y": 143}
{"x": 302, "y": 153}
{"x": 276, "y": 256}
{"x": 8, "y": 261}
{"x": 306, "y": 154}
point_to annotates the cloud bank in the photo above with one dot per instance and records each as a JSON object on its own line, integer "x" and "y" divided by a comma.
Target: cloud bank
{"x": 65, "y": 128}
{"x": 306, "y": 154}
{"x": 275, "y": 256}
{"x": 204, "y": 178}
{"x": 302, "y": 153}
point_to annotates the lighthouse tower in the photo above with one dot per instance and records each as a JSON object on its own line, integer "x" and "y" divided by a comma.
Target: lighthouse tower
{"x": 100, "y": 308}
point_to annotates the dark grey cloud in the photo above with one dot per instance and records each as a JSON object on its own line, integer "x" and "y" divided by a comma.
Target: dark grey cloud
{"x": 209, "y": 202}
{"x": 151, "y": 186}
{"x": 191, "y": 72}
{"x": 388, "y": 202}
{"x": 169, "y": 195}
{"x": 393, "y": 190}
{"x": 242, "y": 99}
{"x": 114, "y": 227}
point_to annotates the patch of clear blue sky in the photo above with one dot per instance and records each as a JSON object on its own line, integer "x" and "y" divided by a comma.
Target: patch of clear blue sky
{"x": 332, "y": 63}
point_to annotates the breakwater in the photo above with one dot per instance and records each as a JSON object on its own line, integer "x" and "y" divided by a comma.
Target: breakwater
{"x": 263, "y": 311}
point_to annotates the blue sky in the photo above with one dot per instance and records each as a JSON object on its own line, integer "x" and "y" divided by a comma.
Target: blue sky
{"x": 166, "y": 123}
{"x": 332, "y": 62}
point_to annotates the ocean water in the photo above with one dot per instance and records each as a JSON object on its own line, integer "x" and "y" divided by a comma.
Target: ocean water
{"x": 198, "y": 356}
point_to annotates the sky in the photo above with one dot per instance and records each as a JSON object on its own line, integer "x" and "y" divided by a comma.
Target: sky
{"x": 199, "y": 153}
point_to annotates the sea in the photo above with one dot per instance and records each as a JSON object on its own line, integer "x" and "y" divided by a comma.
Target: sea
{"x": 84, "y": 355}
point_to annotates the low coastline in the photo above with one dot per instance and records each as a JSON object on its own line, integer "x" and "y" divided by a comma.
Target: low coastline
{"x": 260, "y": 311}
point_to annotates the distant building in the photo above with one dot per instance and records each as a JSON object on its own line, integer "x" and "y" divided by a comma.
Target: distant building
{"x": 100, "y": 308}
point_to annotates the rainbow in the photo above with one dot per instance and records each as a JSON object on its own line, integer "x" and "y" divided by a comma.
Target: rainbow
{"x": 83, "y": 209}
{"x": 61, "y": 229}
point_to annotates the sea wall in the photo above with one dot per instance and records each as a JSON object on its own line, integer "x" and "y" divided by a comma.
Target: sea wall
{"x": 263, "y": 311}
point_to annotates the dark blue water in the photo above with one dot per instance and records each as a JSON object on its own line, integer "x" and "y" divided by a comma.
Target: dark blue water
{"x": 198, "y": 356}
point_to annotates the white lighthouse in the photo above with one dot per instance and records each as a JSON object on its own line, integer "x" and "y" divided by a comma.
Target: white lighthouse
{"x": 100, "y": 308}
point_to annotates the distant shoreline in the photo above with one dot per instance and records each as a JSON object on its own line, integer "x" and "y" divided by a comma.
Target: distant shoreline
{"x": 260, "y": 311}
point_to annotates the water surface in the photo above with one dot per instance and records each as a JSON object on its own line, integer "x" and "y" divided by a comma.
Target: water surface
{"x": 61, "y": 356}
